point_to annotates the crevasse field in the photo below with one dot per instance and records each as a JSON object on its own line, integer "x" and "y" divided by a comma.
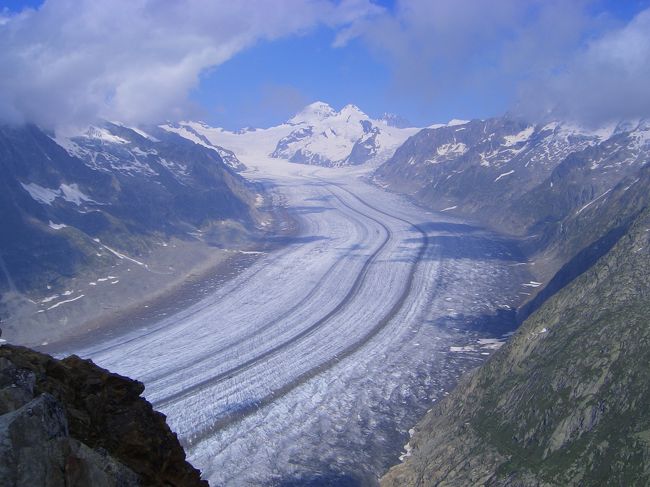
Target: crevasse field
{"x": 312, "y": 364}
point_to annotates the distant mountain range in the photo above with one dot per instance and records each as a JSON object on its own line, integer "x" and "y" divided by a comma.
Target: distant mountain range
{"x": 123, "y": 185}
{"x": 317, "y": 135}
{"x": 69, "y": 198}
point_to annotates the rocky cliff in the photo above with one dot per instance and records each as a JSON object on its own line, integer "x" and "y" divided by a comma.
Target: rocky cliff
{"x": 92, "y": 221}
{"x": 565, "y": 401}
{"x": 68, "y": 200}
{"x": 71, "y": 423}
{"x": 515, "y": 177}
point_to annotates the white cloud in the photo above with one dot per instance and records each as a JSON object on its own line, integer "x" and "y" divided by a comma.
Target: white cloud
{"x": 440, "y": 46}
{"x": 606, "y": 80}
{"x": 537, "y": 57}
{"x": 72, "y": 61}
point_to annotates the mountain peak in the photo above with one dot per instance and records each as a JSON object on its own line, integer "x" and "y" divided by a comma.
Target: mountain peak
{"x": 455, "y": 121}
{"x": 313, "y": 112}
{"x": 351, "y": 111}
{"x": 319, "y": 105}
{"x": 351, "y": 108}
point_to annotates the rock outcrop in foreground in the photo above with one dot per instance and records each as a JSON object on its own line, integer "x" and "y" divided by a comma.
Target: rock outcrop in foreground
{"x": 71, "y": 423}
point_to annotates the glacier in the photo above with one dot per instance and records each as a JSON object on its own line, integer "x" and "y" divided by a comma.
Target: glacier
{"x": 311, "y": 365}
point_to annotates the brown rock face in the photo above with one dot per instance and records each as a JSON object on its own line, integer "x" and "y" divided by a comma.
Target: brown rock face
{"x": 105, "y": 412}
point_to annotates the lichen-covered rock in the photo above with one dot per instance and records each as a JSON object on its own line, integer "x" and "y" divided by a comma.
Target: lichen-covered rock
{"x": 70, "y": 422}
{"x": 36, "y": 449}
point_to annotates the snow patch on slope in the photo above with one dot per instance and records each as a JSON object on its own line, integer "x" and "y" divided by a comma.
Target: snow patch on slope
{"x": 70, "y": 193}
{"x": 56, "y": 226}
{"x": 43, "y": 195}
{"x": 522, "y": 136}
{"x": 103, "y": 135}
{"x": 456, "y": 149}
{"x": 503, "y": 175}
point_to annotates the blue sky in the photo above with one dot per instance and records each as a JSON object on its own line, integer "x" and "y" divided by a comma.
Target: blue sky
{"x": 413, "y": 70}
{"x": 271, "y": 81}
{"x": 302, "y": 69}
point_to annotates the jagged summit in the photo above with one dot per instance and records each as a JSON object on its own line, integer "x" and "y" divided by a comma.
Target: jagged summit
{"x": 351, "y": 110}
{"x": 317, "y": 135}
{"x": 316, "y": 111}
{"x": 320, "y": 111}
{"x": 325, "y": 137}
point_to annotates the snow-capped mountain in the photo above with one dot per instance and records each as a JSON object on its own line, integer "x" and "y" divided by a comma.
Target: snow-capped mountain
{"x": 486, "y": 148}
{"x": 486, "y": 156}
{"x": 101, "y": 148}
{"x": 317, "y": 135}
{"x": 84, "y": 200}
{"x": 323, "y": 136}
{"x": 516, "y": 176}
{"x": 189, "y": 132}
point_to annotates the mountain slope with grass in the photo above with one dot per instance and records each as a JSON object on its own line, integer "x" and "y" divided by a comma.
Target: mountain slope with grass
{"x": 564, "y": 402}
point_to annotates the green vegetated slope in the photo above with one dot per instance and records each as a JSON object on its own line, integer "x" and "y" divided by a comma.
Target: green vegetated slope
{"x": 567, "y": 400}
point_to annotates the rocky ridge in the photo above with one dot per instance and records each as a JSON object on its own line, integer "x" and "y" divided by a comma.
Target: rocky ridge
{"x": 563, "y": 402}
{"x": 521, "y": 178}
{"x": 97, "y": 207}
{"x": 71, "y": 423}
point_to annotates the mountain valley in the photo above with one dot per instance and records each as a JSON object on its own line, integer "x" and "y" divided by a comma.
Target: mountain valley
{"x": 324, "y": 243}
{"x": 111, "y": 208}
{"x": 344, "y": 274}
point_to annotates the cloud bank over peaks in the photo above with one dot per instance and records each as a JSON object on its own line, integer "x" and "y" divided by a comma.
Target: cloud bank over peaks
{"x": 73, "y": 61}
{"x": 537, "y": 58}
{"x": 607, "y": 80}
